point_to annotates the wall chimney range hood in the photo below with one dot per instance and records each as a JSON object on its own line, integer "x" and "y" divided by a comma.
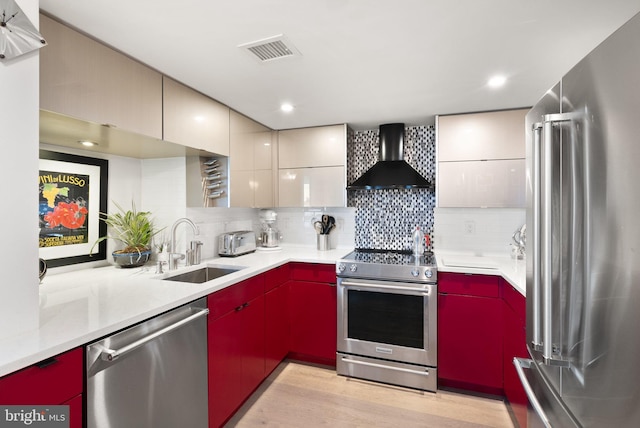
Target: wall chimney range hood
{"x": 391, "y": 171}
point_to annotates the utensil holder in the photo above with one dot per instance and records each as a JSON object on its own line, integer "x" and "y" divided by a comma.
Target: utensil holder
{"x": 323, "y": 242}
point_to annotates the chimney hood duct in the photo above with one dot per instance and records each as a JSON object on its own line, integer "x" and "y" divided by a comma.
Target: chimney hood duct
{"x": 391, "y": 171}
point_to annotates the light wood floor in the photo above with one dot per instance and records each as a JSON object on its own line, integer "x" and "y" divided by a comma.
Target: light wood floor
{"x": 301, "y": 395}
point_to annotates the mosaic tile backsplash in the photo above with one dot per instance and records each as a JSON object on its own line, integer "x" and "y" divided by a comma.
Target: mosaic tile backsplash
{"x": 386, "y": 218}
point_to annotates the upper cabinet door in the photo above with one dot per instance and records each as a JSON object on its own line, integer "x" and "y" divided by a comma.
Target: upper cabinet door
{"x": 312, "y": 147}
{"x": 82, "y": 78}
{"x": 312, "y": 187}
{"x": 481, "y": 159}
{"x": 193, "y": 119}
{"x": 481, "y": 136}
{"x": 250, "y": 163}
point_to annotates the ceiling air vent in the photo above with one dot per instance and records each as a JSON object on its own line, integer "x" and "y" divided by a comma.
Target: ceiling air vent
{"x": 271, "y": 48}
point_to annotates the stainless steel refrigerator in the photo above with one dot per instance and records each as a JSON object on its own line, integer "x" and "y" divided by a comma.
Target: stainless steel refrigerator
{"x": 583, "y": 249}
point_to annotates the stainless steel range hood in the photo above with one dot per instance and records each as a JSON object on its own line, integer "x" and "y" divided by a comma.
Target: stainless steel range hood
{"x": 391, "y": 171}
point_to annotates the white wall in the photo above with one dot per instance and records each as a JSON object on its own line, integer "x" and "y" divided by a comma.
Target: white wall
{"x": 19, "y": 86}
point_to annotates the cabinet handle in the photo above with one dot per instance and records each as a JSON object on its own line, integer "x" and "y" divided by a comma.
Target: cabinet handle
{"x": 46, "y": 363}
{"x": 242, "y": 306}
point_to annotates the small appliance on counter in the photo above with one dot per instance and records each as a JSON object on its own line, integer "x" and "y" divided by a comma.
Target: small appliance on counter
{"x": 233, "y": 244}
{"x": 270, "y": 236}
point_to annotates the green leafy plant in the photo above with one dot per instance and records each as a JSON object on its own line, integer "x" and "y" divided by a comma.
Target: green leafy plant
{"x": 134, "y": 229}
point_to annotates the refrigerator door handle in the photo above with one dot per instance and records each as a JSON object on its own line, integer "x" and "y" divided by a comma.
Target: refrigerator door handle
{"x": 536, "y": 340}
{"x": 546, "y": 241}
{"x": 549, "y": 354}
{"x": 521, "y": 364}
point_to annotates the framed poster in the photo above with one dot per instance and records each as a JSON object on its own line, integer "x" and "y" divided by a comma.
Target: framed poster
{"x": 72, "y": 192}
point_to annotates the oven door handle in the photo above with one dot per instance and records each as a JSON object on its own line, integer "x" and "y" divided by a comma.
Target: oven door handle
{"x": 381, "y": 366}
{"x": 417, "y": 291}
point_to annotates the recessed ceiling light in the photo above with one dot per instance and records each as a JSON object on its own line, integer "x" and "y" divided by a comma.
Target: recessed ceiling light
{"x": 87, "y": 143}
{"x": 497, "y": 81}
{"x": 286, "y": 107}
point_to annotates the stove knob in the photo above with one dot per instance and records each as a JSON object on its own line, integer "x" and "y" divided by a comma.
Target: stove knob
{"x": 353, "y": 268}
{"x": 341, "y": 267}
{"x": 415, "y": 272}
{"x": 428, "y": 273}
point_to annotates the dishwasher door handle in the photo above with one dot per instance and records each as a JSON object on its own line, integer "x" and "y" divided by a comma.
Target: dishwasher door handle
{"x": 113, "y": 354}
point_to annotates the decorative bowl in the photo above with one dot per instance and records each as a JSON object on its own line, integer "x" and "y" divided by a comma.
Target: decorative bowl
{"x": 131, "y": 260}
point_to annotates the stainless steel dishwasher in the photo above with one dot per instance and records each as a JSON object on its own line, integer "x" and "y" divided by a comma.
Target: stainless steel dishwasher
{"x": 153, "y": 374}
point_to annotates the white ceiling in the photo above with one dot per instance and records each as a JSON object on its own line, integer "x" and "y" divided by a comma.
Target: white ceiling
{"x": 363, "y": 62}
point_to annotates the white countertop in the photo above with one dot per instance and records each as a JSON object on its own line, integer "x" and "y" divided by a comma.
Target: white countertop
{"x": 81, "y": 306}
{"x": 514, "y": 271}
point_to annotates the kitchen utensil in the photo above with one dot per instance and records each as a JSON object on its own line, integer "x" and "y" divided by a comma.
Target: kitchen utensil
{"x": 325, "y": 223}
{"x": 318, "y": 227}
{"x": 323, "y": 242}
{"x": 332, "y": 223}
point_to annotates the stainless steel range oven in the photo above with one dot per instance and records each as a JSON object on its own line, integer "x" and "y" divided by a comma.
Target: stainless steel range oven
{"x": 387, "y": 318}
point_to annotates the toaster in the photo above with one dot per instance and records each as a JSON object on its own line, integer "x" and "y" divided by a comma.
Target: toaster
{"x": 232, "y": 244}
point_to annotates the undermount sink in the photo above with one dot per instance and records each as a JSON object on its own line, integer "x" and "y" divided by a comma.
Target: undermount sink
{"x": 202, "y": 275}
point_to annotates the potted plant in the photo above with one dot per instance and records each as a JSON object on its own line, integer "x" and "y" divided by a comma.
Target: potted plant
{"x": 135, "y": 230}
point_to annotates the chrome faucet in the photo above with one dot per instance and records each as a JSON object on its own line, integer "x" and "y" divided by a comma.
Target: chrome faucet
{"x": 174, "y": 256}
{"x": 520, "y": 240}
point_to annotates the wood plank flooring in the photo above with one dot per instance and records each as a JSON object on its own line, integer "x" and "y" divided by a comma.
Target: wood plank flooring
{"x": 301, "y": 395}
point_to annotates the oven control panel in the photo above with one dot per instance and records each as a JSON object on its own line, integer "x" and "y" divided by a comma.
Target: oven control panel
{"x": 390, "y": 272}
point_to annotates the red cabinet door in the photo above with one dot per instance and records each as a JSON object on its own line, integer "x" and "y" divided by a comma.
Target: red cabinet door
{"x": 75, "y": 411}
{"x": 276, "y": 277}
{"x": 236, "y": 342}
{"x": 470, "y": 342}
{"x": 515, "y": 345}
{"x": 225, "y": 367}
{"x": 253, "y": 345}
{"x": 52, "y": 381}
{"x": 313, "y": 321}
{"x": 276, "y": 322}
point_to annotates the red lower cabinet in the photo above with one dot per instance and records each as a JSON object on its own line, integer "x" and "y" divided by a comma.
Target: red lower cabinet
{"x": 55, "y": 381}
{"x": 75, "y": 411}
{"x": 276, "y": 324}
{"x": 313, "y": 312}
{"x": 515, "y": 345}
{"x": 470, "y": 333}
{"x": 236, "y": 342}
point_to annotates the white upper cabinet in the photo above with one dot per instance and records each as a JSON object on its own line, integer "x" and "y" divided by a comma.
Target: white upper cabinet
{"x": 312, "y": 147}
{"x": 481, "y": 136}
{"x": 250, "y": 163}
{"x": 311, "y": 167}
{"x": 312, "y": 187}
{"x": 481, "y": 159}
{"x": 84, "y": 79}
{"x": 193, "y": 119}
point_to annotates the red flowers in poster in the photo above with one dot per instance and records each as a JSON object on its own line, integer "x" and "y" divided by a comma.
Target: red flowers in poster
{"x": 70, "y": 215}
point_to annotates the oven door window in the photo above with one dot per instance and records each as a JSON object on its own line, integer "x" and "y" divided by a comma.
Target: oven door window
{"x": 395, "y": 319}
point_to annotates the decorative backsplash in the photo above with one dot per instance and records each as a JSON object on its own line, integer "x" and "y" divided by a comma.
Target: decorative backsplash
{"x": 386, "y": 218}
